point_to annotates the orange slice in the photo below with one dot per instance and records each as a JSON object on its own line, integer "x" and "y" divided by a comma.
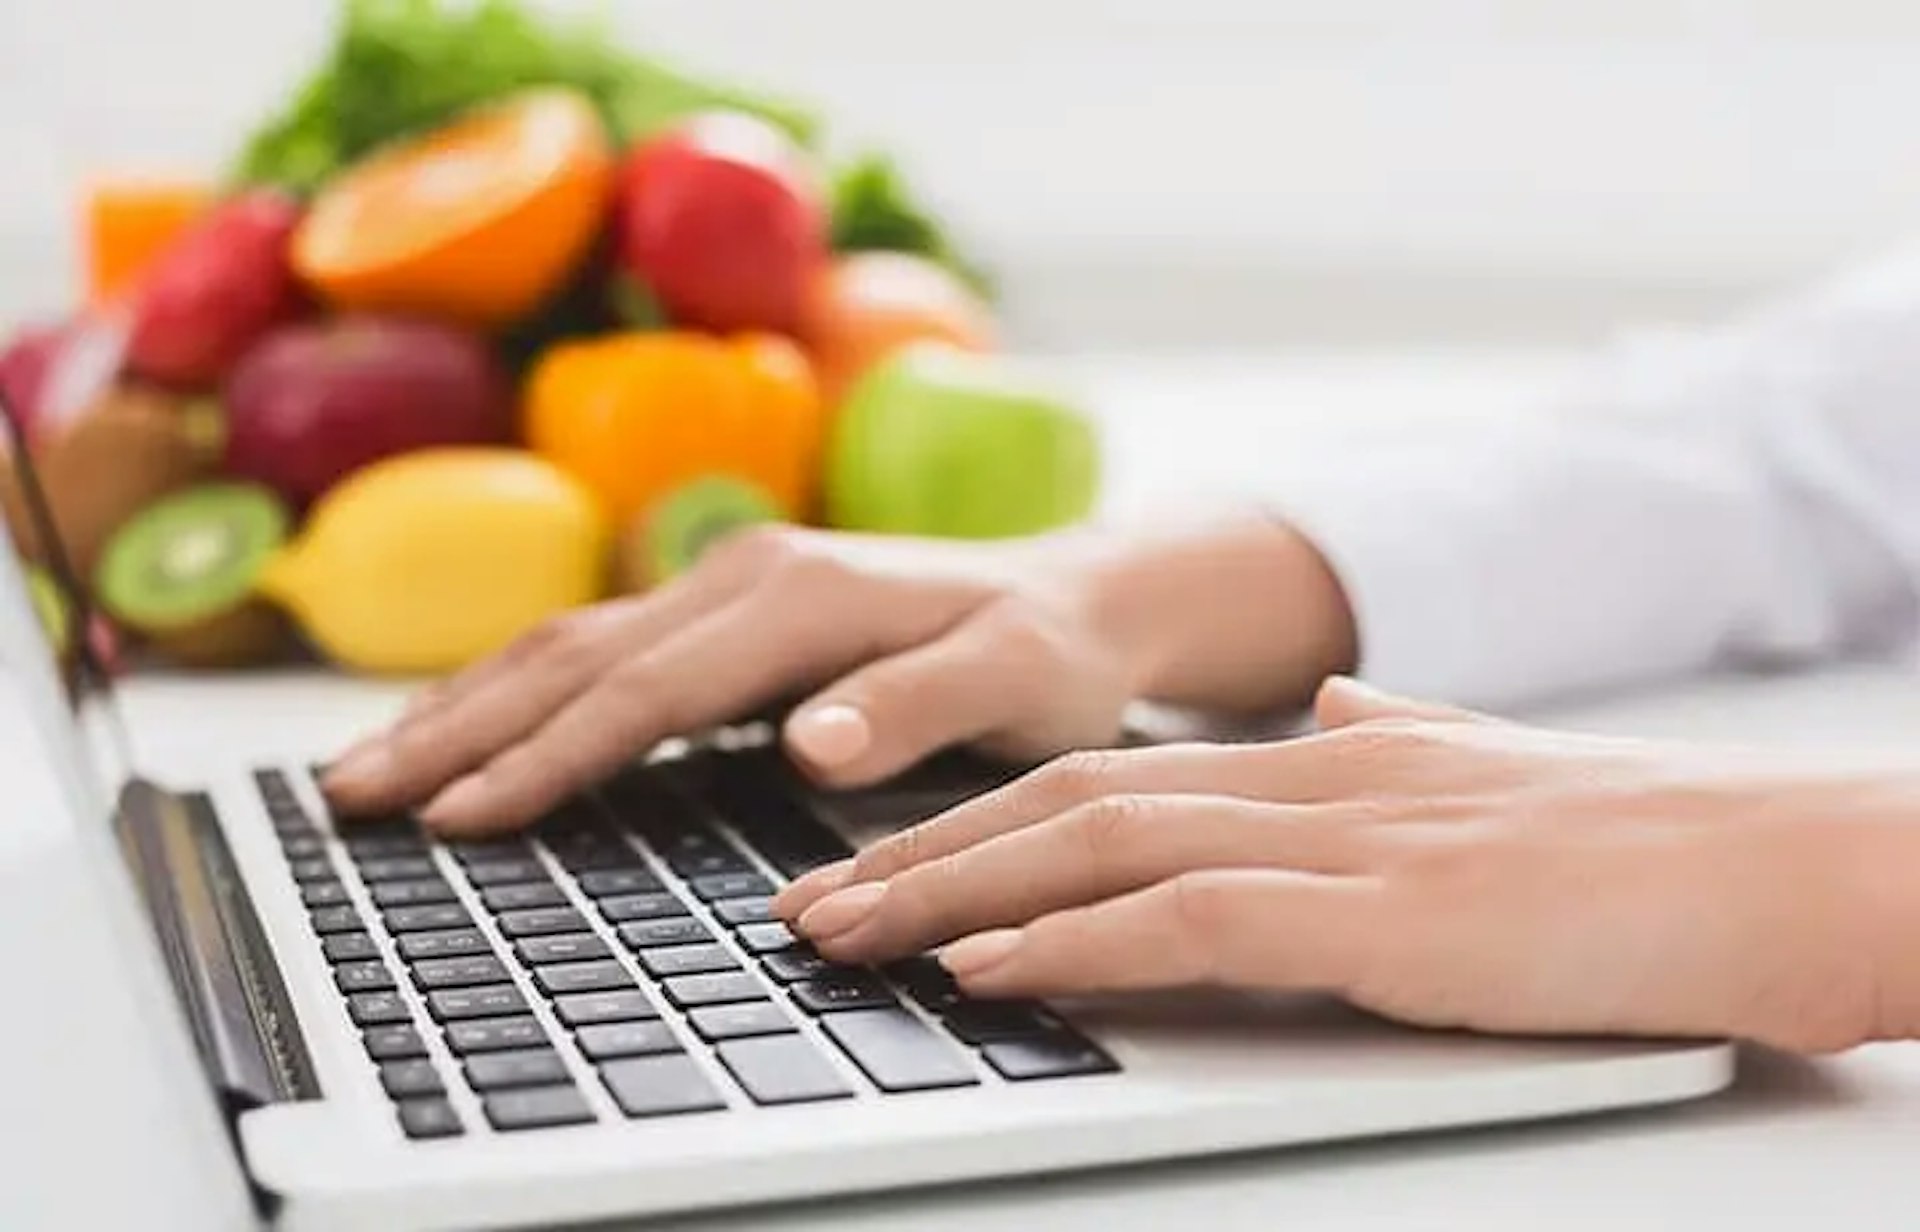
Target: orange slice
{"x": 477, "y": 222}
{"x": 129, "y": 222}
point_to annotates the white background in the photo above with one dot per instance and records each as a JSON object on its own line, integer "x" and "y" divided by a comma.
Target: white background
{"x": 1206, "y": 170}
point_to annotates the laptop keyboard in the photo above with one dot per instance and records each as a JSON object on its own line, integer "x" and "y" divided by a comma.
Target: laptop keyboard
{"x": 631, "y": 931}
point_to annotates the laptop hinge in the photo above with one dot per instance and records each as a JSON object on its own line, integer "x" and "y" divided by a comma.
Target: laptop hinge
{"x": 237, "y": 1006}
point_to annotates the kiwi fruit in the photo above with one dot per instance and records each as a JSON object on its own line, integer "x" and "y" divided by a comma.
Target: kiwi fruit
{"x": 666, "y": 540}
{"x": 128, "y": 449}
{"x": 182, "y": 575}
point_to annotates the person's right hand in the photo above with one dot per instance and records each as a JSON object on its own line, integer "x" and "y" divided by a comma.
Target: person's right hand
{"x": 1026, "y": 648}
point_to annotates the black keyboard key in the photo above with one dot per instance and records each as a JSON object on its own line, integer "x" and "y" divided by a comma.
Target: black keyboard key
{"x": 668, "y": 961}
{"x": 404, "y": 1079}
{"x": 566, "y": 978}
{"x": 679, "y": 931}
{"x": 706, "y": 860}
{"x": 1055, "y": 1054}
{"x": 472, "y": 851}
{"x": 606, "y": 883}
{"x": 841, "y": 990}
{"x": 489, "y": 1001}
{"x": 541, "y": 922}
{"x": 397, "y": 868}
{"x": 738, "y": 911}
{"x": 587, "y": 1009}
{"x": 329, "y": 920}
{"x": 719, "y": 1022}
{"x": 782, "y": 1069}
{"x": 691, "y": 990}
{"x": 372, "y": 1009}
{"x": 566, "y": 947}
{"x": 922, "y": 976}
{"x": 607, "y": 1041}
{"x": 514, "y": 870}
{"x": 759, "y": 795}
{"x": 312, "y": 869}
{"x": 383, "y": 845}
{"x": 523, "y": 896}
{"x": 464, "y": 972}
{"x": 536, "y": 1108}
{"x": 765, "y": 938}
{"x": 730, "y": 885}
{"x": 455, "y": 943}
{"x": 329, "y": 893}
{"x": 395, "y": 1043}
{"x": 430, "y": 1117}
{"x": 800, "y": 963}
{"x": 897, "y": 1051}
{"x": 660, "y": 1086}
{"x": 499, "y": 1071}
{"x": 371, "y": 976}
{"x": 658, "y": 905}
{"x": 585, "y": 851}
{"x": 476, "y": 1035}
{"x": 425, "y": 919}
{"x": 412, "y": 893}
{"x": 303, "y": 846}
{"x": 984, "y": 1022}
{"x": 349, "y": 947}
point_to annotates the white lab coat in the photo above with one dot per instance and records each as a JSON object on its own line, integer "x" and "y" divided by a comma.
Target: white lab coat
{"x": 1748, "y": 495}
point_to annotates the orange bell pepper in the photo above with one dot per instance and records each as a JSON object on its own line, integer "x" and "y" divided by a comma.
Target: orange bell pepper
{"x": 635, "y": 416}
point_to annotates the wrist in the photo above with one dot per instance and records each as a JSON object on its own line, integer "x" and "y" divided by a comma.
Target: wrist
{"x": 1241, "y": 614}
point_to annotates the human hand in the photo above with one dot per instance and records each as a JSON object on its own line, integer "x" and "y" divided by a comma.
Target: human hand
{"x": 1023, "y": 647}
{"x": 1429, "y": 865}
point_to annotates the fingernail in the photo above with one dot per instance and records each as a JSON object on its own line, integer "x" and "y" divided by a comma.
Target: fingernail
{"x": 842, "y": 911}
{"x": 970, "y": 956}
{"x": 831, "y": 735}
{"x": 358, "y": 768}
{"x": 446, "y": 807}
{"x": 816, "y": 884}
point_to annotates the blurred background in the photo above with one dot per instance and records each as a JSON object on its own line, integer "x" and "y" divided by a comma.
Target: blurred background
{"x": 1207, "y": 174}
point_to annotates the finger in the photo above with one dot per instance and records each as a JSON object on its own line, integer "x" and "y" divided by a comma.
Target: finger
{"x": 1093, "y": 852}
{"x": 503, "y": 699}
{"x": 736, "y": 659}
{"x": 1294, "y": 771}
{"x": 1344, "y": 701}
{"x": 981, "y": 679}
{"x": 1255, "y": 928}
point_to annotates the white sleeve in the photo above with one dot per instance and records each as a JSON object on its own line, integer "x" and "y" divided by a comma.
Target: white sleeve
{"x": 1749, "y": 496}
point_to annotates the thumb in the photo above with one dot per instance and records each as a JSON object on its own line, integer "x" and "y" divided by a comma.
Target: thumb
{"x": 1344, "y": 701}
{"x": 888, "y": 715}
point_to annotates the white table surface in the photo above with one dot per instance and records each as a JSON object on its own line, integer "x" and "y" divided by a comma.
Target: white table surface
{"x": 1795, "y": 1144}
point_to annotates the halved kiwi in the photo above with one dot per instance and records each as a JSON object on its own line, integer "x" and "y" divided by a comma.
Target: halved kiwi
{"x": 667, "y": 540}
{"x": 182, "y": 574}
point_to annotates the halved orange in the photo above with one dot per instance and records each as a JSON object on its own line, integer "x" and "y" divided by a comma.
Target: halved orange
{"x": 128, "y": 222}
{"x": 477, "y": 222}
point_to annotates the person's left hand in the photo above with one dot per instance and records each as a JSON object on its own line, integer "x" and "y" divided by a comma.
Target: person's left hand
{"x": 1426, "y": 864}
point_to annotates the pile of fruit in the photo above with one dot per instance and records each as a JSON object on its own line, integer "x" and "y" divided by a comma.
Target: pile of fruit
{"x": 495, "y": 320}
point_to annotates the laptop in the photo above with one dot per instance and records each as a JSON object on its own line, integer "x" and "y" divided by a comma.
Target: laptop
{"x": 598, "y": 1018}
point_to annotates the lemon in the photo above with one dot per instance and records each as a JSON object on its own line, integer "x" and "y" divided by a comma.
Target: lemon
{"x": 430, "y": 560}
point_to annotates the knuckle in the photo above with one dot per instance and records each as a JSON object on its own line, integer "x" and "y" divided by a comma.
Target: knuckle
{"x": 757, "y": 549}
{"x": 904, "y": 850}
{"x": 1077, "y": 777}
{"x": 1198, "y": 908}
{"x": 1022, "y": 632}
{"x": 1111, "y": 828}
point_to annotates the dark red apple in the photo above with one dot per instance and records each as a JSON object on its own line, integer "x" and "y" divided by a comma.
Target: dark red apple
{"x": 723, "y": 219}
{"x": 215, "y": 291}
{"x": 315, "y": 402}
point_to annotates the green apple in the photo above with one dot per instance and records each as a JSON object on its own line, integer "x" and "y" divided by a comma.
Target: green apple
{"x": 944, "y": 442}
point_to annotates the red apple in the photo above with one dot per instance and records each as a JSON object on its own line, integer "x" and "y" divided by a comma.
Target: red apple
{"x": 25, "y": 366}
{"x": 315, "y": 402}
{"x": 210, "y": 295}
{"x": 723, "y": 219}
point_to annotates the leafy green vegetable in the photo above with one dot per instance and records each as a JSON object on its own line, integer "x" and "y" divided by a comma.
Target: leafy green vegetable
{"x": 401, "y": 66}
{"x": 874, "y": 209}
